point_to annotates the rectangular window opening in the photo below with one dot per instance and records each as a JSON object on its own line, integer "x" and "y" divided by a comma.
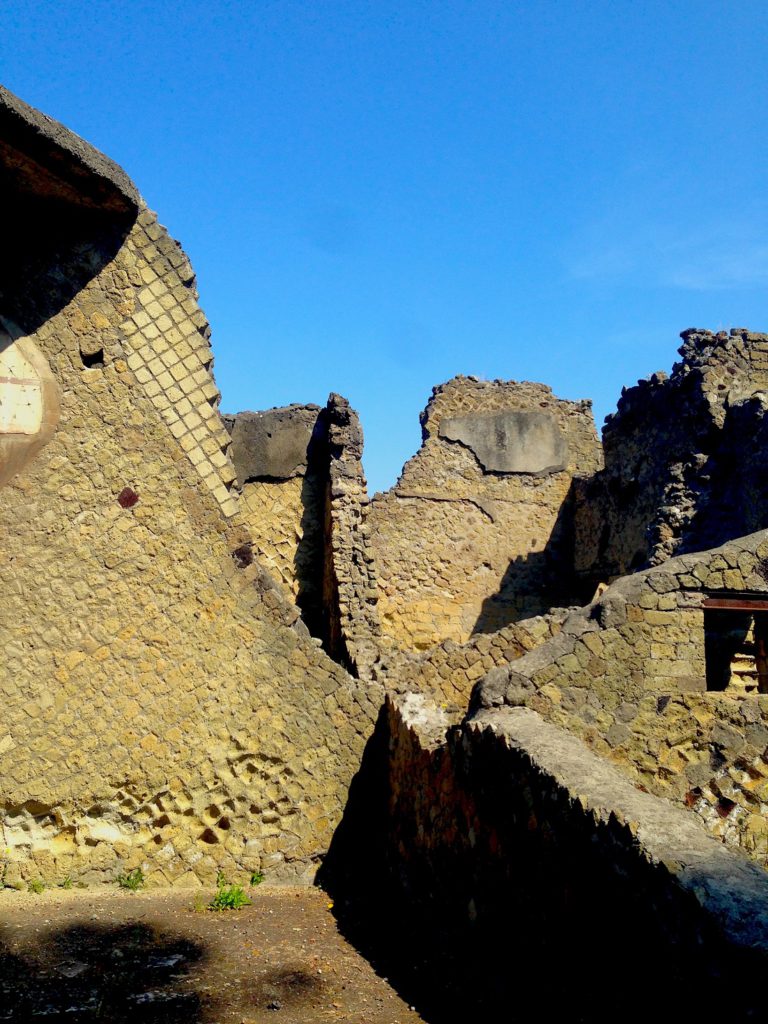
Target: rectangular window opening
{"x": 736, "y": 645}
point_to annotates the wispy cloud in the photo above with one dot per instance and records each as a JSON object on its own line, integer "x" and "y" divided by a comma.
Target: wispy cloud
{"x": 723, "y": 254}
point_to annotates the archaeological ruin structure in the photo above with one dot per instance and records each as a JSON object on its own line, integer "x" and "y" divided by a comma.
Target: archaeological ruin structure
{"x": 541, "y": 646}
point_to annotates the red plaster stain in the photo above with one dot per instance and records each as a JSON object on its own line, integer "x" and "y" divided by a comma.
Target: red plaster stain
{"x": 127, "y": 498}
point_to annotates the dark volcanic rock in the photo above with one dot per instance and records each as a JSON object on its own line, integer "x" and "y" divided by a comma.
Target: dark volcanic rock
{"x": 272, "y": 445}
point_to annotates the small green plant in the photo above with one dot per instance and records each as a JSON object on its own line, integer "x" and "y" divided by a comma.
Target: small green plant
{"x": 67, "y": 883}
{"x": 257, "y": 878}
{"x": 36, "y": 885}
{"x": 228, "y": 897}
{"x": 132, "y": 880}
{"x": 4, "y": 861}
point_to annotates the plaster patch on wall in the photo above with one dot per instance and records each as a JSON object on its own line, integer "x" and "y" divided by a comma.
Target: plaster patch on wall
{"x": 29, "y": 405}
{"x": 21, "y": 400}
{"x": 511, "y": 440}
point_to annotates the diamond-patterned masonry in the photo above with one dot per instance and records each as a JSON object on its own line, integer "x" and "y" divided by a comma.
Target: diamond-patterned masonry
{"x": 167, "y": 341}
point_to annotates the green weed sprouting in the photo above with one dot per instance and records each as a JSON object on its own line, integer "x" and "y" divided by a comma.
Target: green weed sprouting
{"x": 228, "y": 897}
{"x": 132, "y": 880}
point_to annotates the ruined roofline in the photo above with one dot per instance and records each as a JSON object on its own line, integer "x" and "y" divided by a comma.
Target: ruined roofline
{"x": 35, "y": 147}
{"x": 701, "y": 349}
{"x": 459, "y": 380}
{"x": 291, "y": 407}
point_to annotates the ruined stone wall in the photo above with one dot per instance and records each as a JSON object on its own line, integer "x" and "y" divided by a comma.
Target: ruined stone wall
{"x": 158, "y": 707}
{"x": 283, "y": 477}
{"x": 448, "y": 672}
{"x": 286, "y": 532}
{"x": 629, "y": 676}
{"x": 305, "y": 501}
{"x": 684, "y": 459}
{"x": 477, "y": 531}
{"x": 350, "y": 586}
{"x": 518, "y": 846}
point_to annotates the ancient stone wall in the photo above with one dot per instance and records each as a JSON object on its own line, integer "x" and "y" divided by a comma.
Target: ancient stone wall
{"x": 514, "y": 841}
{"x": 683, "y": 459}
{"x": 158, "y": 707}
{"x": 350, "y": 583}
{"x": 448, "y": 672}
{"x": 638, "y": 676}
{"x": 283, "y": 479}
{"x": 477, "y": 531}
{"x": 305, "y": 501}
{"x": 164, "y": 706}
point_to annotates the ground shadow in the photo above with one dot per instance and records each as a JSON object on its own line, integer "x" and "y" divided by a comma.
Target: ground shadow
{"x": 130, "y": 972}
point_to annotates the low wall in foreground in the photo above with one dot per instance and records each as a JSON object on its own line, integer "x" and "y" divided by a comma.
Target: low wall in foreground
{"x": 546, "y": 866}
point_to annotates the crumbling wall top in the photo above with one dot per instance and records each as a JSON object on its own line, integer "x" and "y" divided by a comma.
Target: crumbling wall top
{"x": 38, "y": 153}
{"x": 272, "y": 445}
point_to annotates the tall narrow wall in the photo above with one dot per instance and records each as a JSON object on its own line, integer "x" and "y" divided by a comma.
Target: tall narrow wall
{"x": 350, "y": 583}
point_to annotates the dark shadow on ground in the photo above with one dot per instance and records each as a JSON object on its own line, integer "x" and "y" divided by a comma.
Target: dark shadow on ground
{"x": 130, "y": 972}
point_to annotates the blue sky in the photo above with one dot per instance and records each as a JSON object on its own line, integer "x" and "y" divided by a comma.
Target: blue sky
{"x": 377, "y": 196}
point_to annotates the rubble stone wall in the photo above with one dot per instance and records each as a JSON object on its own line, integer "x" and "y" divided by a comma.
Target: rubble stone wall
{"x": 350, "y": 587}
{"x": 684, "y": 459}
{"x": 448, "y": 672}
{"x": 305, "y": 501}
{"x": 477, "y": 532}
{"x": 629, "y": 676}
{"x": 284, "y": 519}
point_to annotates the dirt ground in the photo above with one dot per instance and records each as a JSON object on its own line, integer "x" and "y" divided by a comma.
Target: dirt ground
{"x": 108, "y": 955}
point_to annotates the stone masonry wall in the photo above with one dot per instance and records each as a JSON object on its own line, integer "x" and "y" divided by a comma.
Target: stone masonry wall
{"x": 305, "y": 501}
{"x": 628, "y": 675}
{"x": 471, "y": 539}
{"x": 539, "y": 860}
{"x": 166, "y": 344}
{"x": 684, "y": 459}
{"x": 158, "y": 707}
{"x": 283, "y": 480}
{"x": 351, "y": 593}
{"x": 448, "y": 672}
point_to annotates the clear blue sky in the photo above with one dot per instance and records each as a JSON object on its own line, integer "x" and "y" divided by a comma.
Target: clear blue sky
{"x": 379, "y": 195}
